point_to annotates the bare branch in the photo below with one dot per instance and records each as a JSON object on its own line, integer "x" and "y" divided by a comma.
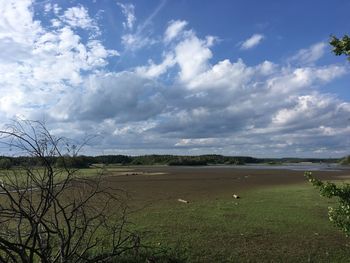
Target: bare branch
{"x": 49, "y": 213}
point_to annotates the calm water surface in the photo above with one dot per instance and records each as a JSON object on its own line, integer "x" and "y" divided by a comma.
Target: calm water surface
{"x": 288, "y": 166}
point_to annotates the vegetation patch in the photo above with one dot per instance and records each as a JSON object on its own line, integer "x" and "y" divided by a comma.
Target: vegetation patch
{"x": 288, "y": 223}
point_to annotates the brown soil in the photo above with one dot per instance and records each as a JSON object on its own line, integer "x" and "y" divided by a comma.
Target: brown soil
{"x": 161, "y": 183}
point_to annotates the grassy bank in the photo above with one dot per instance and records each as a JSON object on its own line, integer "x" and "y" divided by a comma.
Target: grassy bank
{"x": 284, "y": 223}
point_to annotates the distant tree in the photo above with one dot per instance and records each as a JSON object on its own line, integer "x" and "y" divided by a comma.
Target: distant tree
{"x": 341, "y": 46}
{"x": 72, "y": 162}
{"x": 5, "y": 163}
{"x": 345, "y": 160}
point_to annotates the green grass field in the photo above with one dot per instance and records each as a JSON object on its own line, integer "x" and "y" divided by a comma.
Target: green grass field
{"x": 275, "y": 224}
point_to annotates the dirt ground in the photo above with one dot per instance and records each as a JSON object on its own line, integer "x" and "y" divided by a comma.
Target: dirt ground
{"x": 167, "y": 183}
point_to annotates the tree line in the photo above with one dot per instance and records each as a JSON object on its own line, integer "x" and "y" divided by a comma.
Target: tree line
{"x": 83, "y": 161}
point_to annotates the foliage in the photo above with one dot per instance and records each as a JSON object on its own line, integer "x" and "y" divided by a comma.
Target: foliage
{"x": 72, "y": 162}
{"x": 341, "y": 46}
{"x": 82, "y": 161}
{"x": 188, "y": 162}
{"x": 112, "y": 159}
{"x": 339, "y": 216}
{"x": 48, "y": 214}
{"x": 345, "y": 160}
{"x": 5, "y": 163}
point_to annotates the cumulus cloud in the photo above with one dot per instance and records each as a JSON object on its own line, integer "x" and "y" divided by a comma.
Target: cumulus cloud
{"x": 16, "y": 23}
{"x": 251, "y": 42}
{"x": 40, "y": 63}
{"x": 228, "y": 108}
{"x": 307, "y": 110}
{"x": 231, "y": 102}
{"x": 197, "y": 142}
{"x": 78, "y": 16}
{"x": 174, "y": 29}
{"x": 124, "y": 96}
{"x": 155, "y": 70}
{"x": 183, "y": 99}
{"x": 192, "y": 55}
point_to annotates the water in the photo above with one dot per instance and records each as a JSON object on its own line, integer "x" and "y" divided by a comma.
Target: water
{"x": 286, "y": 166}
{"x": 297, "y": 166}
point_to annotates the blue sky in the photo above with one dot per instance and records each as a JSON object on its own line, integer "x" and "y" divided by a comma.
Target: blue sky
{"x": 182, "y": 77}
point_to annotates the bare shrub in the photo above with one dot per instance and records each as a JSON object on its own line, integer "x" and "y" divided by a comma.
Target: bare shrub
{"x": 49, "y": 213}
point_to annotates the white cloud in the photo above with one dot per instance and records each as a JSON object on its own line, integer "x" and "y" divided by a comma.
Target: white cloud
{"x": 295, "y": 79}
{"x": 197, "y": 142}
{"x": 48, "y": 7}
{"x": 56, "y": 23}
{"x": 142, "y": 37}
{"x": 175, "y": 27}
{"x": 133, "y": 42}
{"x": 224, "y": 74}
{"x": 189, "y": 52}
{"x": 129, "y": 13}
{"x": 192, "y": 55}
{"x": 78, "y": 16}
{"x": 41, "y": 64}
{"x": 251, "y": 42}
{"x": 134, "y": 98}
{"x": 133, "y": 128}
{"x": 155, "y": 70}
{"x": 307, "y": 109}
{"x": 235, "y": 101}
{"x": 309, "y": 55}
{"x": 185, "y": 97}
{"x": 16, "y": 23}
{"x": 267, "y": 67}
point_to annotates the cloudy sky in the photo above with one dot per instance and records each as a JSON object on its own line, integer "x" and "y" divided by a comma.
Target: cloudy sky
{"x": 180, "y": 76}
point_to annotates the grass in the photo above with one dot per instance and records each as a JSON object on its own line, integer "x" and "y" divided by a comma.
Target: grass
{"x": 21, "y": 173}
{"x": 275, "y": 224}
{"x": 285, "y": 223}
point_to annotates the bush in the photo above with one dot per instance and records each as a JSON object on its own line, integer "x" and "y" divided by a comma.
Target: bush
{"x": 48, "y": 214}
{"x": 72, "y": 162}
{"x": 187, "y": 162}
{"x": 345, "y": 160}
{"x": 5, "y": 163}
{"x": 340, "y": 215}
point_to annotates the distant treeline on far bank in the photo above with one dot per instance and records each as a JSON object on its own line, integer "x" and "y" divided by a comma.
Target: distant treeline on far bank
{"x": 210, "y": 159}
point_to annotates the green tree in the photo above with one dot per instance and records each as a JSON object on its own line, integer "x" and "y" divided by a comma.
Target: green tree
{"x": 341, "y": 46}
{"x": 345, "y": 160}
{"x": 72, "y": 162}
{"x": 340, "y": 215}
{"x": 5, "y": 163}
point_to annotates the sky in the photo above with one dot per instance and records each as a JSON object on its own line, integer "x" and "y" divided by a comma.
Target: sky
{"x": 188, "y": 77}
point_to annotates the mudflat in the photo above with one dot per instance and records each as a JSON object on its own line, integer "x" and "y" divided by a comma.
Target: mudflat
{"x": 161, "y": 183}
